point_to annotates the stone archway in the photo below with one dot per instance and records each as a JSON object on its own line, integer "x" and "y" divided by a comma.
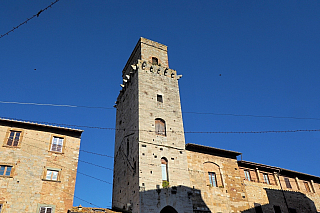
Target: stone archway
{"x": 168, "y": 209}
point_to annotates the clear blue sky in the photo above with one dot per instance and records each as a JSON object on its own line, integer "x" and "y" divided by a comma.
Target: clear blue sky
{"x": 267, "y": 53}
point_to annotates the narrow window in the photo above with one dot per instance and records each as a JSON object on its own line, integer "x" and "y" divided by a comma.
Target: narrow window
{"x": 288, "y": 184}
{"x": 128, "y": 147}
{"x": 277, "y": 209}
{"x": 52, "y": 175}
{"x": 154, "y": 61}
{"x": 5, "y": 170}
{"x": 56, "y": 144}
{"x": 247, "y": 175}
{"x": 164, "y": 169}
{"x": 212, "y": 179}
{"x": 306, "y": 184}
{"x": 160, "y": 127}
{"x": 266, "y": 178}
{"x": 45, "y": 210}
{"x": 14, "y": 138}
{"x": 159, "y": 98}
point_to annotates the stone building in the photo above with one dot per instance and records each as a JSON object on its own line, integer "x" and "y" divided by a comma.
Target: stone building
{"x": 154, "y": 171}
{"x": 38, "y": 166}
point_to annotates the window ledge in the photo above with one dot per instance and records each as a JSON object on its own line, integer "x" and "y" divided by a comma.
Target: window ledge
{"x": 58, "y": 181}
{"x": 56, "y": 152}
{"x": 5, "y": 176}
{"x": 15, "y": 147}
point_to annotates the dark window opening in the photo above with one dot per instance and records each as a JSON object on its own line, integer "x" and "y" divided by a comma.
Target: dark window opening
{"x": 288, "y": 184}
{"x": 159, "y": 98}
{"x": 127, "y": 147}
{"x": 154, "y": 61}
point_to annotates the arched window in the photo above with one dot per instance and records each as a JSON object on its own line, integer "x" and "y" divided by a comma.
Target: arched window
{"x": 154, "y": 61}
{"x": 160, "y": 127}
{"x": 164, "y": 169}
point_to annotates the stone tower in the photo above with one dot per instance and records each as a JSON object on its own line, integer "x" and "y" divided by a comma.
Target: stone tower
{"x": 150, "y": 162}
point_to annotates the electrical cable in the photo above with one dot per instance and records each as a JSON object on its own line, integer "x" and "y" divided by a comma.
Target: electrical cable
{"x": 200, "y": 113}
{"x": 36, "y": 15}
{"x": 186, "y": 132}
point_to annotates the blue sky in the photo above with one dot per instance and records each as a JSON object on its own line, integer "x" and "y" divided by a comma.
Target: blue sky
{"x": 267, "y": 53}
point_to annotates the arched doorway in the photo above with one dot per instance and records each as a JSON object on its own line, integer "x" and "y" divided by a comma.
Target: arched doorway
{"x": 168, "y": 209}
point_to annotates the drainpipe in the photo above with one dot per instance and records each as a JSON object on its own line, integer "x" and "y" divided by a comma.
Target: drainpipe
{"x": 285, "y": 200}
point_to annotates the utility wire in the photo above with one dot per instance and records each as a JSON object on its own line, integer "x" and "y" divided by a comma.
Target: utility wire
{"x": 199, "y": 113}
{"x": 26, "y": 21}
{"x": 186, "y": 132}
{"x": 54, "y": 105}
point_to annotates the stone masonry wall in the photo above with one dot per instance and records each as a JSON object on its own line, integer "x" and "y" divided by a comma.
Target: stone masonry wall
{"x": 230, "y": 194}
{"x": 26, "y": 189}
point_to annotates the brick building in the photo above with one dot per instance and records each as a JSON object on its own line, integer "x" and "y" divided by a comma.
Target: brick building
{"x": 154, "y": 171}
{"x": 38, "y": 166}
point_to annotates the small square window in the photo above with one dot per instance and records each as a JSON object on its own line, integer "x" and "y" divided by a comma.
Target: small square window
{"x": 45, "y": 210}
{"x": 154, "y": 61}
{"x": 13, "y": 138}
{"x": 52, "y": 174}
{"x": 56, "y": 144}
{"x": 5, "y": 170}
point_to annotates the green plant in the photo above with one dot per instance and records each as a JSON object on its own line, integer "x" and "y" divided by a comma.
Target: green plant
{"x": 165, "y": 184}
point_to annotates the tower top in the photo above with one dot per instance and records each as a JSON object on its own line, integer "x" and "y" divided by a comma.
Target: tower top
{"x": 150, "y": 51}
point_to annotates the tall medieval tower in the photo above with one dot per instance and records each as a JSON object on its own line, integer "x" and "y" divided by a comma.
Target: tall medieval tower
{"x": 150, "y": 162}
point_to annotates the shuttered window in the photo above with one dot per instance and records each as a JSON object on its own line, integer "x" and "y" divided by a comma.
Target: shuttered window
{"x": 160, "y": 126}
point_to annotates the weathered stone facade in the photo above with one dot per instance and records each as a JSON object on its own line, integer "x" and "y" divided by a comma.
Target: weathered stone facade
{"x": 38, "y": 167}
{"x": 154, "y": 171}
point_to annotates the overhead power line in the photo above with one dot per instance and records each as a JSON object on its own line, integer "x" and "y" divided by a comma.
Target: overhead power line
{"x": 199, "y": 113}
{"x": 26, "y": 21}
{"x": 55, "y": 105}
{"x": 186, "y": 132}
